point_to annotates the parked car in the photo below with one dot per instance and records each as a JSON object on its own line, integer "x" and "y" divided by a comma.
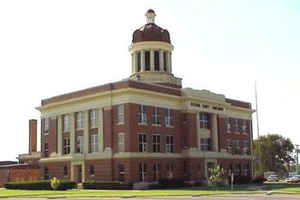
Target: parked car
{"x": 273, "y": 178}
{"x": 294, "y": 179}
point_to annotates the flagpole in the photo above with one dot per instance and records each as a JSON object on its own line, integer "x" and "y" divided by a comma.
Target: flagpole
{"x": 257, "y": 128}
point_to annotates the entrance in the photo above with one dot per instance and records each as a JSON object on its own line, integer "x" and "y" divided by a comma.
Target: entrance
{"x": 79, "y": 172}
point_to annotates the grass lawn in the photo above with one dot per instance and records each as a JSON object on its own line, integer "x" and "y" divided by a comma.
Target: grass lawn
{"x": 274, "y": 188}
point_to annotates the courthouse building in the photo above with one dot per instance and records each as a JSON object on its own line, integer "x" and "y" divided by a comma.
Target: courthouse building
{"x": 145, "y": 127}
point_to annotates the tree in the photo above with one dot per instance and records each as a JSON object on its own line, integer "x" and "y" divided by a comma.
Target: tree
{"x": 216, "y": 177}
{"x": 274, "y": 152}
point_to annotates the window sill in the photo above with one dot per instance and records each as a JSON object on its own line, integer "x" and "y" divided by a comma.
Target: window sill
{"x": 142, "y": 124}
{"x": 169, "y": 126}
{"x": 156, "y": 125}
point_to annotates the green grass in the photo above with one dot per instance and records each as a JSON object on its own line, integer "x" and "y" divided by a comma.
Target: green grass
{"x": 274, "y": 188}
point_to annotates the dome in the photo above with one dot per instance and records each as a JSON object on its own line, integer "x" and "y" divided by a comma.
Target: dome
{"x": 150, "y": 31}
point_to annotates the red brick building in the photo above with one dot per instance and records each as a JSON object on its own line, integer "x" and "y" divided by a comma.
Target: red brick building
{"x": 146, "y": 127}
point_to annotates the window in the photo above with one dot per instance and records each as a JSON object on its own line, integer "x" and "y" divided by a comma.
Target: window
{"x": 121, "y": 173}
{"x": 67, "y": 145}
{"x": 147, "y": 60}
{"x": 120, "y": 117}
{"x": 170, "y": 144}
{"x": 168, "y": 117}
{"x": 121, "y": 144}
{"x": 46, "y": 173}
{"x": 94, "y": 118}
{"x": 79, "y": 120}
{"x": 46, "y": 149}
{"x": 79, "y": 144}
{"x": 138, "y": 61}
{"x": 94, "y": 143}
{"x": 142, "y": 114}
{"x": 204, "y": 120}
{"x": 236, "y": 145}
{"x": 237, "y": 169}
{"x": 155, "y": 116}
{"x": 66, "y": 120}
{"x": 228, "y": 146}
{"x": 156, "y": 60}
{"x": 170, "y": 169}
{"x": 235, "y": 125}
{"x": 142, "y": 142}
{"x": 143, "y": 172}
{"x": 156, "y": 143}
{"x": 228, "y": 125}
{"x": 246, "y": 170}
{"x": 92, "y": 170}
{"x": 205, "y": 144}
{"x": 65, "y": 171}
{"x": 165, "y": 61}
{"x": 156, "y": 171}
{"x": 246, "y": 147}
{"x": 46, "y": 124}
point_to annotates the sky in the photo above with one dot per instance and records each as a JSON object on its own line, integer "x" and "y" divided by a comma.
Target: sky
{"x": 53, "y": 47}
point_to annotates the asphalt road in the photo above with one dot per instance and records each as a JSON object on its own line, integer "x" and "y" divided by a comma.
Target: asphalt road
{"x": 215, "y": 197}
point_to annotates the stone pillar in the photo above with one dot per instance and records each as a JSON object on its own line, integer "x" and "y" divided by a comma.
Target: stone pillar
{"x": 161, "y": 60}
{"x": 142, "y": 61}
{"x": 100, "y": 130}
{"x": 86, "y": 131}
{"x": 59, "y": 135}
{"x": 83, "y": 172}
{"x": 134, "y": 63}
{"x": 152, "y": 69}
{"x": 168, "y": 62}
{"x": 72, "y": 132}
{"x": 198, "y": 130}
{"x": 214, "y": 131}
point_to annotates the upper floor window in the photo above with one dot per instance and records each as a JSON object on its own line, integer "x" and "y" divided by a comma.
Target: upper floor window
{"x": 168, "y": 117}
{"x": 156, "y": 60}
{"x": 79, "y": 144}
{"x": 170, "y": 144}
{"x": 205, "y": 144}
{"x": 235, "y": 125}
{"x": 94, "y": 118}
{"x": 228, "y": 125}
{"x": 142, "y": 114}
{"x": 94, "y": 143}
{"x": 228, "y": 146}
{"x": 121, "y": 143}
{"x": 120, "y": 117}
{"x": 46, "y": 124}
{"x": 246, "y": 147}
{"x": 67, "y": 145}
{"x": 66, "y": 121}
{"x": 142, "y": 142}
{"x": 79, "y": 120}
{"x": 204, "y": 120}
{"x": 155, "y": 116}
{"x": 156, "y": 143}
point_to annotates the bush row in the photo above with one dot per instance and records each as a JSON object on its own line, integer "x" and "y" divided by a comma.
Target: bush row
{"x": 107, "y": 185}
{"x": 39, "y": 185}
{"x": 168, "y": 184}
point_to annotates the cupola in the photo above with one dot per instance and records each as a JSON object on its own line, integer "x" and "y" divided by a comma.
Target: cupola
{"x": 151, "y": 52}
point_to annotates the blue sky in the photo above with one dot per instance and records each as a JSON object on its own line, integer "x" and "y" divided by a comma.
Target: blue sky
{"x": 53, "y": 47}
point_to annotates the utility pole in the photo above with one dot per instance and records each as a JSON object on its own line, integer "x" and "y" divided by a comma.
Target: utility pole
{"x": 257, "y": 127}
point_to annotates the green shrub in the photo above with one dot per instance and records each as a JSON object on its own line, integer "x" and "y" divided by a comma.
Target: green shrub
{"x": 99, "y": 185}
{"x": 39, "y": 185}
{"x": 216, "y": 177}
{"x": 168, "y": 184}
{"x": 55, "y": 183}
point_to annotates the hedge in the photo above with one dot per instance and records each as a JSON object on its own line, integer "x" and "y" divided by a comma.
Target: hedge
{"x": 39, "y": 185}
{"x": 98, "y": 185}
{"x": 168, "y": 184}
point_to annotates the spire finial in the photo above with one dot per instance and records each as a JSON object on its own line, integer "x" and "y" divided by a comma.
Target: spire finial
{"x": 150, "y": 14}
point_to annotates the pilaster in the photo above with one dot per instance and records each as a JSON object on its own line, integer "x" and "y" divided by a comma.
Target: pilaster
{"x": 198, "y": 130}
{"x": 152, "y": 69}
{"x": 168, "y": 62}
{"x": 214, "y": 129}
{"x": 142, "y": 61}
{"x": 59, "y": 135}
{"x": 161, "y": 60}
{"x": 134, "y": 62}
{"x": 100, "y": 130}
{"x": 86, "y": 132}
{"x": 72, "y": 132}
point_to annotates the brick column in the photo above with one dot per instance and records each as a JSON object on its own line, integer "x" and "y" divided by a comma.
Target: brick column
{"x": 72, "y": 132}
{"x": 86, "y": 132}
{"x": 100, "y": 130}
{"x": 214, "y": 131}
{"x": 59, "y": 135}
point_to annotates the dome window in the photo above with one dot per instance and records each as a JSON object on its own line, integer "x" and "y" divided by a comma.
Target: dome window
{"x": 156, "y": 60}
